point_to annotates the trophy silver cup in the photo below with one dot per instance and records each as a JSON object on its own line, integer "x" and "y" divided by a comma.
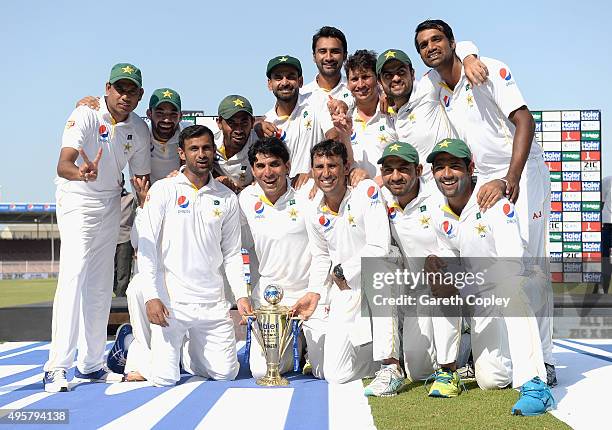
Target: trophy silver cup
{"x": 275, "y": 329}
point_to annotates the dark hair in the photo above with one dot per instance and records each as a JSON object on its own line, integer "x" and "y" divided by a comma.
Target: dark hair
{"x": 436, "y": 24}
{"x": 194, "y": 131}
{"x": 329, "y": 148}
{"x": 269, "y": 146}
{"x": 329, "y": 32}
{"x": 361, "y": 59}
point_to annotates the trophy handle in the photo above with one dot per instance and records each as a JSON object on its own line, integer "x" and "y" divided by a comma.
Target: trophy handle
{"x": 288, "y": 333}
{"x": 255, "y": 331}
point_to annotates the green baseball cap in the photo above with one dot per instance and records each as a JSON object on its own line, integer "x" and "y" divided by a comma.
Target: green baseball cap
{"x": 392, "y": 54}
{"x": 403, "y": 150}
{"x": 125, "y": 71}
{"x": 165, "y": 95}
{"x": 233, "y": 104}
{"x": 456, "y": 147}
{"x": 283, "y": 59}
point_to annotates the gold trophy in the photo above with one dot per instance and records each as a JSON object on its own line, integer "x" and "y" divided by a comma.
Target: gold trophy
{"x": 275, "y": 329}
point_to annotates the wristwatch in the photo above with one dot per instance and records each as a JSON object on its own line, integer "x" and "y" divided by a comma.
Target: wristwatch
{"x": 338, "y": 272}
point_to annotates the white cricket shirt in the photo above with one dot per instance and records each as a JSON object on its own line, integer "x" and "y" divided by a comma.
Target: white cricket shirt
{"x": 318, "y": 97}
{"x": 237, "y": 167}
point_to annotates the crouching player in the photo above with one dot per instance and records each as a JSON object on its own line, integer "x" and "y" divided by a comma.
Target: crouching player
{"x": 505, "y": 339}
{"x": 430, "y": 343}
{"x": 190, "y": 230}
{"x": 275, "y": 216}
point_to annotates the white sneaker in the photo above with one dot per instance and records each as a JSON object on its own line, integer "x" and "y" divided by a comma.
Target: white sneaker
{"x": 387, "y": 382}
{"x": 55, "y": 381}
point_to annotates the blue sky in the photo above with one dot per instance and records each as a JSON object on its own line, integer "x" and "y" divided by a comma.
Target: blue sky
{"x": 53, "y": 53}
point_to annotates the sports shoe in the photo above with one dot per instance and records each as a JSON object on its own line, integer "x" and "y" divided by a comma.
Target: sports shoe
{"x": 446, "y": 384}
{"x": 551, "y": 375}
{"x": 467, "y": 371}
{"x": 117, "y": 356}
{"x": 387, "y": 382}
{"x": 535, "y": 399}
{"x": 55, "y": 381}
{"x": 102, "y": 375}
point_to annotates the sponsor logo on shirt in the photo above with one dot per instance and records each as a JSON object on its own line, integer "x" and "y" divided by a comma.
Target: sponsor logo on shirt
{"x": 281, "y": 134}
{"x": 183, "y": 203}
{"x": 259, "y": 208}
{"x": 508, "y": 210}
{"x": 449, "y": 229}
{"x": 505, "y": 74}
{"x": 353, "y": 138}
{"x": 69, "y": 124}
{"x": 324, "y": 221}
{"x": 103, "y": 133}
{"x": 373, "y": 195}
{"x": 391, "y": 212}
{"x": 446, "y": 100}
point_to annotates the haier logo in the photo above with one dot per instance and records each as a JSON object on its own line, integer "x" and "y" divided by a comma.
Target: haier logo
{"x": 571, "y": 206}
{"x": 591, "y": 186}
{"x": 552, "y": 156}
{"x": 570, "y": 126}
{"x": 591, "y": 216}
{"x": 592, "y": 246}
{"x": 572, "y": 237}
{"x": 571, "y": 176}
{"x": 589, "y": 115}
{"x": 555, "y": 216}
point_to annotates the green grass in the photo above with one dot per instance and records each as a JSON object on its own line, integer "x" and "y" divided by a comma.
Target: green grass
{"x": 14, "y": 292}
{"x": 474, "y": 409}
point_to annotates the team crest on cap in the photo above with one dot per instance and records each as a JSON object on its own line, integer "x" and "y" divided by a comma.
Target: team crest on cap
{"x": 446, "y": 100}
{"x": 127, "y": 69}
{"x": 324, "y": 221}
{"x": 238, "y": 102}
{"x": 167, "y": 94}
{"x": 259, "y": 207}
{"x": 372, "y": 193}
{"x": 183, "y": 202}
{"x": 508, "y": 210}
{"x": 505, "y": 74}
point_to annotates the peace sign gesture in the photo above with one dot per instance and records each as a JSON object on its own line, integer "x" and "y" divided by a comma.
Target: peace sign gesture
{"x": 88, "y": 171}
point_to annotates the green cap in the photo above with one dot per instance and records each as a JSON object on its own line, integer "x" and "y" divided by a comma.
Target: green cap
{"x": 165, "y": 95}
{"x": 402, "y": 150}
{"x": 125, "y": 71}
{"x": 392, "y": 54}
{"x": 283, "y": 59}
{"x": 233, "y": 104}
{"x": 456, "y": 147}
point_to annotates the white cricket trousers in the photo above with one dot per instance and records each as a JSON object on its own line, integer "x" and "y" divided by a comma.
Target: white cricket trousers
{"x": 89, "y": 228}
{"x": 139, "y": 352}
{"x": 313, "y": 331}
{"x": 533, "y": 212}
{"x": 429, "y": 338}
{"x": 211, "y": 348}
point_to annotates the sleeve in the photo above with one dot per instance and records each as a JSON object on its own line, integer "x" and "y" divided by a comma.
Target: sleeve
{"x": 248, "y": 243}
{"x": 503, "y": 88}
{"x": 465, "y": 49}
{"x": 503, "y": 220}
{"x": 428, "y": 88}
{"x": 140, "y": 161}
{"x": 79, "y": 123}
{"x": 320, "y": 266}
{"x": 376, "y": 225}
{"x": 149, "y": 225}
{"x": 231, "y": 249}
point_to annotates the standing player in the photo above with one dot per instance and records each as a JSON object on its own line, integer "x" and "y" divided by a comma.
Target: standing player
{"x": 297, "y": 124}
{"x": 344, "y": 225}
{"x": 275, "y": 215}
{"x": 505, "y": 340}
{"x": 88, "y": 209}
{"x": 233, "y": 140}
{"x": 430, "y": 342}
{"x": 495, "y": 121}
{"x": 191, "y": 228}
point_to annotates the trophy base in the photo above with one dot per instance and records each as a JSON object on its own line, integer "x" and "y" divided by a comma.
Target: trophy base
{"x": 277, "y": 381}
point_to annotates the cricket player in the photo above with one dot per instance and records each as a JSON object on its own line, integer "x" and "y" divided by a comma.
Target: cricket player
{"x": 233, "y": 140}
{"x": 190, "y": 230}
{"x": 344, "y": 225}
{"x": 329, "y": 51}
{"x": 495, "y": 121}
{"x": 295, "y": 122}
{"x": 417, "y": 114}
{"x": 275, "y": 217}
{"x": 505, "y": 340}
{"x": 96, "y": 146}
{"x": 430, "y": 341}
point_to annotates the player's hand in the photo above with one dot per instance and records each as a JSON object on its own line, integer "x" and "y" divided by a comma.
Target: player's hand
{"x": 313, "y": 192}
{"x": 306, "y": 305}
{"x": 141, "y": 186}
{"x": 90, "y": 101}
{"x": 512, "y": 187}
{"x": 357, "y": 175}
{"x": 266, "y": 129}
{"x": 341, "y": 283}
{"x": 300, "y": 180}
{"x": 157, "y": 312}
{"x": 384, "y": 102}
{"x": 379, "y": 181}
{"x": 443, "y": 290}
{"x": 88, "y": 171}
{"x": 490, "y": 193}
{"x": 244, "y": 309}
{"x": 475, "y": 70}
{"x": 225, "y": 180}
{"x": 336, "y": 107}
{"x": 343, "y": 124}
{"x": 434, "y": 264}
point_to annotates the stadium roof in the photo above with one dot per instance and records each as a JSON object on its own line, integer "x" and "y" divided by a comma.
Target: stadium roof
{"x": 12, "y": 213}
